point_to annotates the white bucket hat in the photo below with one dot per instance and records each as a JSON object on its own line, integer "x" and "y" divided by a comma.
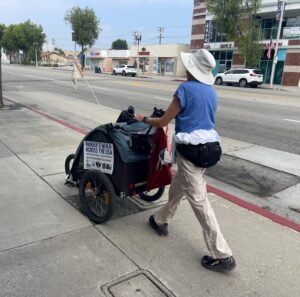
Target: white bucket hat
{"x": 199, "y": 65}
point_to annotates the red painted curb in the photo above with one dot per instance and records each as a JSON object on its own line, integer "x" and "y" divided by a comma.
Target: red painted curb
{"x": 252, "y": 207}
{"x": 66, "y": 124}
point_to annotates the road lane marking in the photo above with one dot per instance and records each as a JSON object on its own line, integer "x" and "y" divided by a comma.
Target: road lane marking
{"x": 289, "y": 120}
{"x": 161, "y": 98}
{"x": 68, "y": 82}
{"x": 101, "y": 88}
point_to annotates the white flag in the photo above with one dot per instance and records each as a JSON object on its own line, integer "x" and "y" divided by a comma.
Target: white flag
{"x": 76, "y": 73}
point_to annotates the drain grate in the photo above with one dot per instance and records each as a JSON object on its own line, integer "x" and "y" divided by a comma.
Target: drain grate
{"x": 140, "y": 283}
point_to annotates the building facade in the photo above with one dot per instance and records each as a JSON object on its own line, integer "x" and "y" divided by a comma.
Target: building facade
{"x": 106, "y": 59}
{"x": 205, "y": 35}
{"x": 160, "y": 59}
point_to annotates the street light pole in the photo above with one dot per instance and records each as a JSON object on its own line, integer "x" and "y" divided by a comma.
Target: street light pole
{"x": 275, "y": 59}
{"x": 137, "y": 38}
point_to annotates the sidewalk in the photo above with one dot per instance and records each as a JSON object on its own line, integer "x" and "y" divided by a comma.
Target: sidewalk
{"x": 49, "y": 248}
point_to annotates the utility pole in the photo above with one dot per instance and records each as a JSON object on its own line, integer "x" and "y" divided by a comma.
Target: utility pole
{"x": 1, "y": 98}
{"x": 280, "y": 10}
{"x": 137, "y": 39}
{"x": 160, "y": 30}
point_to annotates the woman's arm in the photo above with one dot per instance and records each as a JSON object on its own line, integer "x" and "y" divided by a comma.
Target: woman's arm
{"x": 169, "y": 115}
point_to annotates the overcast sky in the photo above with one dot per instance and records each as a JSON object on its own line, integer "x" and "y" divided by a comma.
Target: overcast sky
{"x": 118, "y": 19}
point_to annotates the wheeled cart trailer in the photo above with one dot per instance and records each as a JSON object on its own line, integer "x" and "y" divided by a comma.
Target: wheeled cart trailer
{"x": 121, "y": 159}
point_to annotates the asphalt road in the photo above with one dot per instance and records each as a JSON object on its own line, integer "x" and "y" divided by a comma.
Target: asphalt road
{"x": 263, "y": 117}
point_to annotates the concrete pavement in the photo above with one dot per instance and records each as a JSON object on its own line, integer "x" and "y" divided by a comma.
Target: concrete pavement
{"x": 49, "y": 248}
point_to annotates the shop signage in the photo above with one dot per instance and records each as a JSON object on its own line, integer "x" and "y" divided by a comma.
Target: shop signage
{"x": 280, "y": 43}
{"x": 144, "y": 53}
{"x": 218, "y": 45}
{"x": 291, "y": 32}
{"x": 94, "y": 54}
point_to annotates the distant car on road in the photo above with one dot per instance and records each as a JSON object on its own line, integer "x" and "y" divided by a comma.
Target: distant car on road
{"x": 124, "y": 70}
{"x": 241, "y": 76}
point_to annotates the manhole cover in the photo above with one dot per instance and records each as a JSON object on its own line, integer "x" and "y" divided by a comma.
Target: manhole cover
{"x": 141, "y": 283}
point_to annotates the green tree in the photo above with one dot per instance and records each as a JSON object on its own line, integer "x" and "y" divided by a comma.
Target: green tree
{"x": 119, "y": 44}
{"x": 238, "y": 20}
{"x": 27, "y": 37}
{"x": 31, "y": 38}
{"x": 85, "y": 25}
{"x": 10, "y": 40}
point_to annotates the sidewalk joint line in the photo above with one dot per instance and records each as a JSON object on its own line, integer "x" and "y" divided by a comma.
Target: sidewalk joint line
{"x": 44, "y": 239}
{"x": 120, "y": 250}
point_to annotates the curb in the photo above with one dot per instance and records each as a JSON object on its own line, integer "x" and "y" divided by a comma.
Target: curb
{"x": 238, "y": 201}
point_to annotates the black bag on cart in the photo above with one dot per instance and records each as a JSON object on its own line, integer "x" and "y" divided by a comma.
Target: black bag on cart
{"x": 141, "y": 142}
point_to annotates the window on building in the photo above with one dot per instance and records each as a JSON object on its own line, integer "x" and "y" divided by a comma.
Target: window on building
{"x": 196, "y": 2}
{"x": 212, "y": 34}
{"x": 269, "y": 28}
{"x": 223, "y": 60}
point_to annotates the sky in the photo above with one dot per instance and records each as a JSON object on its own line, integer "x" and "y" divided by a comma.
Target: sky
{"x": 118, "y": 19}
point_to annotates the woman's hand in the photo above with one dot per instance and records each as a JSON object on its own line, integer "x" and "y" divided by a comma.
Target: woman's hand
{"x": 139, "y": 117}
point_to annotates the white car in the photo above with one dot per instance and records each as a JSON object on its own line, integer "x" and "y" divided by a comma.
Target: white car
{"x": 241, "y": 76}
{"x": 124, "y": 70}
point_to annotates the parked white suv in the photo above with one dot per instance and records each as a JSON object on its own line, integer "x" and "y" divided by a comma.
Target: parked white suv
{"x": 241, "y": 76}
{"x": 124, "y": 70}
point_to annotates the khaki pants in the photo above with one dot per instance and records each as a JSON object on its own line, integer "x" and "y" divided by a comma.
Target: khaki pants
{"x": 189, "y": 181}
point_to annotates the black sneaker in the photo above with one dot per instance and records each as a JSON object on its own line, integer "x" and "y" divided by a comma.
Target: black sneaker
{"x": 218, "y": 265}
{"x": 161, "y": 230}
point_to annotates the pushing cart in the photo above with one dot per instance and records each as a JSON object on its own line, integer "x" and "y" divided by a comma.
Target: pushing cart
{"x": 121, "y": 159}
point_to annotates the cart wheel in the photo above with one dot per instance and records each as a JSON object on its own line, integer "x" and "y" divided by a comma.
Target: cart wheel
{"x": 152, "y": 195}
{"x": 69, "y": 163}
{"x": 96, "y": 194}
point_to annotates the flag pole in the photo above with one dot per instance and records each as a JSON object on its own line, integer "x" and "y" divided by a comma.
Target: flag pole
{"x": 93, "y": 93}
{"x": 275, "y": 59}
{"x": 77, "y": 73}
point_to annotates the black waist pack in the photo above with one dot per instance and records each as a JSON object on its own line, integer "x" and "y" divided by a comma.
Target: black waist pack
{"x": 202, "y": 155}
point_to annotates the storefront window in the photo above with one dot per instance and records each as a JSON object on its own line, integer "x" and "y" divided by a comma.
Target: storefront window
{"x": 170, "y": 65}
{"x": 144, "y": 64}
{"x": 223, "y": 60}
{"x": 155, "y": 65}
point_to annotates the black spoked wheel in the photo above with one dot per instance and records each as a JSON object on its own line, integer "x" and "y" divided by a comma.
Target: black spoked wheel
{"x": 123, "y": 73}
{"x": 96, "y": 194}
{"x": 69, "y": 163}
{"x": 152, "y": 195}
